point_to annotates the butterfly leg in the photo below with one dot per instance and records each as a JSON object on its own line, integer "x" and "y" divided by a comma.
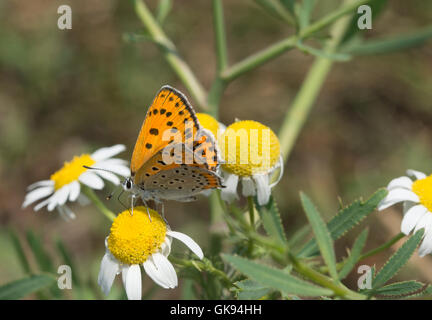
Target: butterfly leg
{"x": 132, "y": 203}
{"x": 163, "y": 213}
{"x": 148, "y": 212}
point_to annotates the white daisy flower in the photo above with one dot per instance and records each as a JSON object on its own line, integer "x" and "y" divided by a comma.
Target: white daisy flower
{"x": 416, "y": 196}
{"x": 65, "y": 184}
{"x": 251, "y": 152}
{"x": 134, "y": 241}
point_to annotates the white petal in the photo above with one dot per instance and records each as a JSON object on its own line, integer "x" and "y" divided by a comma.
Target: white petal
{"x": 166, "y": 268}
{"x": 42, "y": 204}
{"x": 75, "y": 189}
{"x": 397, "y": 195}
{"x": 155, "y": 274}
{"x": 66, "y": 213}
{"x": 92, "y": 180}
{"x": 425, "y": 222}
{"x": 411, "y": 217}
{"x": 115, "y": 168}
{"x": 188, "y": 241}
{"x": 401, "y": 182}
{"x": 37, "y": 194}
{"x": 221, "y": 130}
{"x": 426, "y": 246}
{"x": 113, "y": 161}
{"x": 263, "y": 188}
{"x": 43, "y": 183}
{"x": 166, "y": 246}
{"x": 248, "y": 187}
{"x": 105, "y": 153}
{"x": 417, "y": 174}
{"x": 108, "y": 176}
{"x": 108, "y": 270}
{"x": 229, "y": 193}
{"x": 54, "y": 200}
{"x": 408, "y": 205}
{"x": 63, "y": 195}
{"x": 131, "y": 276}
{"x": 83, "y": 200}
{"x": 280, "y": 166}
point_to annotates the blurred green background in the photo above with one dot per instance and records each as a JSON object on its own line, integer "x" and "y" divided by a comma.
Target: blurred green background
{"x": 63, "y": 93}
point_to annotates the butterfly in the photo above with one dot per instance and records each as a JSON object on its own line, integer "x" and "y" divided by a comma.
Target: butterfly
{"x": 174, "y": 157}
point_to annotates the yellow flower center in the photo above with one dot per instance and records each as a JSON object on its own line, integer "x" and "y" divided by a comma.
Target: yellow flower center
{"x": 71, "y": 170}
{"x": 134, "y": 238}
{"x": 209, "y": 123}
{"x": 249, "y": 148}
{"x": 423, "y": 188}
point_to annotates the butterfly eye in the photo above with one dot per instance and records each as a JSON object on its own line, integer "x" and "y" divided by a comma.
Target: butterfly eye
{"x": 127, "y": 184}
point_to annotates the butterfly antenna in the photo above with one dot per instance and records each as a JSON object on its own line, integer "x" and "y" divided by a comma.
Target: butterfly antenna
{"x": 101, "y": 169}
{"x": 118, "y": 199}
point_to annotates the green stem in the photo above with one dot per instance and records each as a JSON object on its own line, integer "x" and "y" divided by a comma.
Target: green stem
{"x": 216, "y": 213}
{"x": 304, "y": 101}
{"x": 251, "y": 212}
{"x": 220, "y": 39}
{"x": 171, "y": 54}
{"x": 98, "y": 203}
{"x": 257, "y": 59}
{"x": 280, "y": 47}
{"x": 215, "y": 96}
{"x": 383, "y": 247}
{"x": 338, "y": 288}
{"x": 283, "y": 256}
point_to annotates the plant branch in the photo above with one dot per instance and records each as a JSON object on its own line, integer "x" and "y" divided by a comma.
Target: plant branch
{"x": 171, "y": 54}
{"x": 383, "y": 247}
{"x": 304, "y": 101}
{"x": 220, "y": 38}
{"x": 280, "y": 47}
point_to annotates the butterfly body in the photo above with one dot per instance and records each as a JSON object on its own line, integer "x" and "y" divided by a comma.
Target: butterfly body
{"x": 174, "y": 157}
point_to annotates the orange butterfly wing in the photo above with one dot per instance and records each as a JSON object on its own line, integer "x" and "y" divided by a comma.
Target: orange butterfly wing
{"x": 170, "y": 114}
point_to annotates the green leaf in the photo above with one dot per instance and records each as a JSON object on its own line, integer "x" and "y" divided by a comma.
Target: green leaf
{"x": 397, "y": 260}
{"x": 275, "y": 278}
{"x": 322, "y": 53}
{"x": 289, "y": 5}
{"x": 305, "y": 12}
{"x": 400, "y": 289}
{"x": 355, "y": 254}
{"x": 391, "y": 44}
{"x": 42, "y": 257}
{"x": 251, "y": 290}
{"x": 346, "y": 219}
{"x": 322, "y": 235}
{"x": 426, "y": 292}
{"x": 276, "y": 9}
{"x": 23, "y": 287}
{"x": 299, "y": 236}
{"x": 67, "y": 259}
{"x": 376, "y": 6}
{"x": 272, "y": 222}
{"x": 163, "y": 10}
{"x": 20, "y": 251}
{"x": 187, "y": 290}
